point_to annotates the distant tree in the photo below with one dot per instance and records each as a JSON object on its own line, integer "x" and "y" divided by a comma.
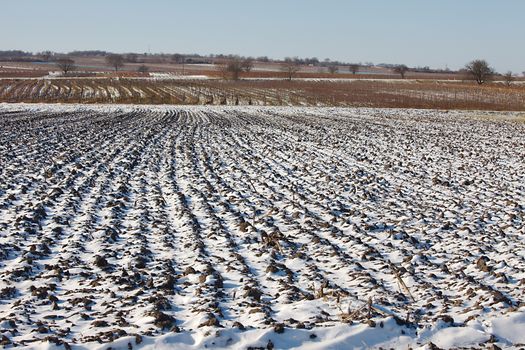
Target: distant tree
{"x": 143, "y": 69}
{"x": 131, "y": 57}
{"x": 46, "y": 55}
{"x": 314, "y": 61}
{"x": 230, "y": 68}
{"x": 223, "y": 68}
{"x": 290, "y": 66}
{"x": 508, "y": 78}
{"x": 354, "y": 68}
{"x": 234, "y": 67}
{"x": 480, "y": 71}
{"x": 333, "y": 68}
{"x": 89, "y": 53}
{"x": 10, "y": 54}
{"x": 401, "y": 69}
{"x": 116, "y": 61}
{"x": 65, "y": 64}
{"x": 178, "y": 58}
{"x": 247, "y": 64}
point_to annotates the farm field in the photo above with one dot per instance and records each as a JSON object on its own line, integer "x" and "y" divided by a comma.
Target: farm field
{"x": 138, "y": 226}
{"x": 168, "y": 89}
{"x": 260, "y": 69}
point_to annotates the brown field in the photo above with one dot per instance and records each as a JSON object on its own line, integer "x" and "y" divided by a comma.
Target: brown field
{"x": 359, "y": 93}
{"x": 260, "y": 70}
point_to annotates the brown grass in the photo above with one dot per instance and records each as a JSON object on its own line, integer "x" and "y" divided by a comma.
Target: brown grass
{"x": 360, "y": 93}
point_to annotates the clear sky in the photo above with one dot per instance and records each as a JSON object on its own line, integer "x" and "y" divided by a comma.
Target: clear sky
{"x": 437, "y": 33}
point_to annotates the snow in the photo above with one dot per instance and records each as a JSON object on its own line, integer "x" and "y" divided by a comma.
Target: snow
{"x": 510, "y": 328}
{"x": 218, "y": 227}
{"x": 389, "y": 335}
{"x": 174, "y": 76}
{"x": 454, "y": 337}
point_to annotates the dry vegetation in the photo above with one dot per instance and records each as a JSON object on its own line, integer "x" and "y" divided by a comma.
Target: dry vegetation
{"x": 364, "y": 93}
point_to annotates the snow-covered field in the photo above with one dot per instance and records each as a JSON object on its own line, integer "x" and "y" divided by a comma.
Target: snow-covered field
{"x": 234, "y": 227}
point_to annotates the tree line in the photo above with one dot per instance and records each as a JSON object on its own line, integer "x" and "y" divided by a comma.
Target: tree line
{"x": 233, "y": 66}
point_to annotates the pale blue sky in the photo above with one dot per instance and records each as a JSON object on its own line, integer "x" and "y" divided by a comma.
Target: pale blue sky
{"x": 436, "y": 33}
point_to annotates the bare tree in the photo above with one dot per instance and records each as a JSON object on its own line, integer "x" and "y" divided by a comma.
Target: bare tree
{"x": 223, "y": 68}
{"x": 354, "y": 68}
{"x": 177, "y": 58}
{"x": 247, "y": 64}
{"x": 131, "y": 57}
{"x": 290, "y": 66}
{"x": 46, "y": 55}
{"x": 480, "y": 71}
{"x": 333, "y": 68}
{"x": 508, "y": 78}
{"x": 65, "y": 64}
{"x": 401, "y": 69}
{"x": 116, "y": 61}
{"x": 143, "y": 69}
{"x": 234, "y": 67}
{"x": 230, "y": 68}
